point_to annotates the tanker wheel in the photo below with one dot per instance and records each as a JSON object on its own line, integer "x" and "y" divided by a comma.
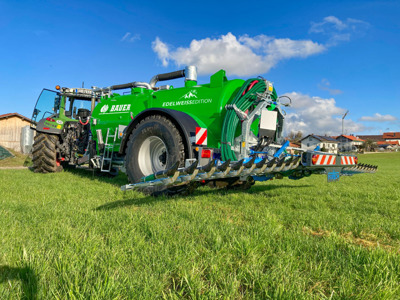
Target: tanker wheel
{"x": 154, "y": 145}
{"x": 44, "y": 154}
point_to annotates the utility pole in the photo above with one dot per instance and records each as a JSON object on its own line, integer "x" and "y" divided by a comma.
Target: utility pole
{"x": 343, "y": 121}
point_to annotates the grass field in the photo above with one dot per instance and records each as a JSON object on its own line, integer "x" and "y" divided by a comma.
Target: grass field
{"x": 19, "y": 160}
{"x": 73, "y": 235}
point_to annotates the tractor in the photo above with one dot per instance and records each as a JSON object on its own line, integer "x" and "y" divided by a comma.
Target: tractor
{"x": 224, "y": 133}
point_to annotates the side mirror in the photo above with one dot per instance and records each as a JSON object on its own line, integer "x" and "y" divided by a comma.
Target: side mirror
{"x": 35, "y": 112}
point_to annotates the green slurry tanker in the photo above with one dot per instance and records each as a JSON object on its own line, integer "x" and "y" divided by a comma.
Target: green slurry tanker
{"x": 225, "y": 133}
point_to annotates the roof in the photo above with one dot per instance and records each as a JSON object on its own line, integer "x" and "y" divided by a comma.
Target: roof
{"x": 373, "y": 138}
{"x": 352, "y": 138}
{"x": 388, "y": 143}
{"x": 321, "y": 138}
{"x": 391, "y": 135}
{"x": 294, "y": 145}
{"x": 10, "y": 115}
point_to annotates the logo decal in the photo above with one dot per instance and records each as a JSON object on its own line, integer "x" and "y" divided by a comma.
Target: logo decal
{"x": 190, "y": 95}
{"x": 119, "y": 108}
{"x": 123, "y": 107}
{"x": 104, "y": 108}
{"x": 59, "y": 122}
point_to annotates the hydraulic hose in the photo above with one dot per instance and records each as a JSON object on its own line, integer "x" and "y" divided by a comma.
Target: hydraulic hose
{"x": 243, "y": 100}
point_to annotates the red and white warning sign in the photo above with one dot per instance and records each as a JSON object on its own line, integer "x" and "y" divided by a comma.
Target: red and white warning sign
{"x": 325, "y": 159}
{"x": 201, "y": 136}
{"x": 348, "y": 160}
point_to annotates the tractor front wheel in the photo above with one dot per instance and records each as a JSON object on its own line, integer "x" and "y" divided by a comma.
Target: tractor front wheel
{"x": 44, "y": 154}
{"x": 154, "y": 145}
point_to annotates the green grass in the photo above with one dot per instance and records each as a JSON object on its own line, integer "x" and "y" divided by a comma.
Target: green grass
{"x": 74, "y": 235}
{"x": 19, "y": 160}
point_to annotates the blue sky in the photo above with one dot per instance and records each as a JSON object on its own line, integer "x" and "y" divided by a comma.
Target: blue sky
{"x": 328, "y": 56}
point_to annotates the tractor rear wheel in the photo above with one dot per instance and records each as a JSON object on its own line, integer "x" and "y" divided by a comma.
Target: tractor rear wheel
{"x": 44, "y": 154}
{"x": 154, "y": 145}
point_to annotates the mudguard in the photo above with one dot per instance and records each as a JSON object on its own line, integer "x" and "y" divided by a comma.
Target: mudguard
{"x": 42, "y": 127}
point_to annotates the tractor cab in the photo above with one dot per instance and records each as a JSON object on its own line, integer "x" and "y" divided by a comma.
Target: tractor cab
{"x": 54, "y": 108}
{"x": 47, "y": 106}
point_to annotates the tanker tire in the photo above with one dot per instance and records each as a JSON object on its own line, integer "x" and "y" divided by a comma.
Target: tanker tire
{"x": 153, "y": 128}
{"x": 44, "y": 154}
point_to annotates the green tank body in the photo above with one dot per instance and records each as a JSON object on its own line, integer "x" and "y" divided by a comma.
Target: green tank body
{"x": 205, "y": 103}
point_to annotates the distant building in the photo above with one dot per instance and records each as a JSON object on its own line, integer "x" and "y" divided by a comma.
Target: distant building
{"x": 384, "y": 140}
{"x": 373, "y": 138}
{"x": 293, "y": 147}
{"x": 10, "y": 130}
{"x": 349, "y": 143}
{"x": 311, "y": 141}
{"x": 391, "y": 136}
{"x": 388, "y": 144}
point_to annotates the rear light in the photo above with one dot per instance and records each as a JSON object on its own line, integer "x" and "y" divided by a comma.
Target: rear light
{"x": 206, "y": 153}
{"x": 46, "y": 128}
{"x": 314, "y": 159}
{"x": 355, "y": 159}
{"x": 50, "y": 120}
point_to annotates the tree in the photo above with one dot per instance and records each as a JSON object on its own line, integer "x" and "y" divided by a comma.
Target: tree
{"x": 295, "y": 136}
{"x": 368, "y": 145}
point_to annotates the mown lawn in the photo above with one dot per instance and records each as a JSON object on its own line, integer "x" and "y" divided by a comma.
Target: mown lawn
{"x": 18, "y": 160}
{"x": 74, "y": 235}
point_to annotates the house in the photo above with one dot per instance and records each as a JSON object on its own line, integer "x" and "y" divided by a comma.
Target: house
{"x": 373, "y": 138}
{"x": 349, "y": 143}
{"x": 385, "y": 144}
{"x": 11, "y": 126}
{"x": 293, "y": 147}
{"x": 326, "y": 143}
{"x": 392, "y": 137}
{"x": 383, "y": 139}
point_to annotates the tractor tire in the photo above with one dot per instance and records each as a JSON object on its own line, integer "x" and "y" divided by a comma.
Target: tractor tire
{"x": 155, "y": 145}
{"x": 44, "y": 154}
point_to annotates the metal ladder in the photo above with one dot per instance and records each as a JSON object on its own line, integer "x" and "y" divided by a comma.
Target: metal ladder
{"x": 108, "y": 150}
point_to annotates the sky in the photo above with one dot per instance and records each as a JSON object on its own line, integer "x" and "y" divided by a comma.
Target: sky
{"x": 329, "y": 57}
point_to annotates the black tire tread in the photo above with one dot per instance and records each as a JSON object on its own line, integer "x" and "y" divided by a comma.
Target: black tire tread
{"x": 155, "y": 190}
{"x": 44, "y": 154}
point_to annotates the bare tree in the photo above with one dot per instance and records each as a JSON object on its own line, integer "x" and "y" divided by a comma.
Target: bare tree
{"x": 295, "y": 136}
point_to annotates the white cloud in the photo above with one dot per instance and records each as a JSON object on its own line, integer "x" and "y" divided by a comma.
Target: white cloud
{"x": 243, "y": 56}
{"x": 162, "y": 51}
{"x": 379, "y": 118}
{"x": 325, "y": 85}
{"x": 128, "y": 37}
{"x": 317, "y": 115}
{"x": 337, "y": 30}
{"x": 330, "y": 21}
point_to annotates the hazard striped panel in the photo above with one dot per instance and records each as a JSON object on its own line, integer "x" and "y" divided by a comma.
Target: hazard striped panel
{"x": 348, "y": 160}
{"x": 201, "y": 136}
{"x": 322, "y": 159}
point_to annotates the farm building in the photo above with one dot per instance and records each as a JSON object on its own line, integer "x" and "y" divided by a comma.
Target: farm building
{"x": 373, "y": 138}
{"x": 384, "y": 140}
{"x": 349, "y": 143}
{"x": 386, "y": 144}
{"x": 10, "y": 130}
{"x": 326, "y": 143}
{"x": 391, "y": 136}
